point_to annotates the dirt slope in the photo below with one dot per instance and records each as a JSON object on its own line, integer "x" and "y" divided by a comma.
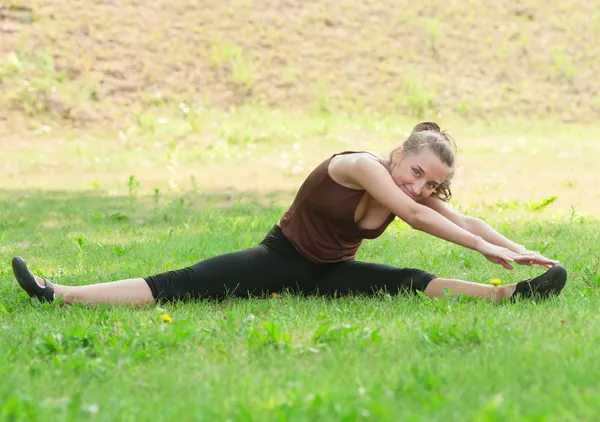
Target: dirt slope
{"x": 91, "y": 62}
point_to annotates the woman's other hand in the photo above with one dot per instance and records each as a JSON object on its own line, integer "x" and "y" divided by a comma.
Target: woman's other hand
{"x": 498, "y": 254}
{"x": 527, "y": 257}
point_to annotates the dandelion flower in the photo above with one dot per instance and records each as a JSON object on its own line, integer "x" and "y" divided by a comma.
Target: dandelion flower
{"x": 496, "y": 281}
{"x": 166, "y": 318}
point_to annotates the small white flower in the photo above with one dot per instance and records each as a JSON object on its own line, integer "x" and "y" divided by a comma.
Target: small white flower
{"x": 91, "y": 408}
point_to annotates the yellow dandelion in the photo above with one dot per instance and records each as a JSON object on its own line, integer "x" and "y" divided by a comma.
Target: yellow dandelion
{"x": 496, "y": 281}
{"x": 166, "y": 318}
{"x": 274, "y": 294}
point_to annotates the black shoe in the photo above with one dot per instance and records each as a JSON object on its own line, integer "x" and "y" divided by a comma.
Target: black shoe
{"x": 27, "y": 281}
{"x": 548, "y": 284}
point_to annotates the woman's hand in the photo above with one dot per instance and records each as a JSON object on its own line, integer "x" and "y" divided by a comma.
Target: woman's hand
{"x": 527, "y": 257}
{"x": 504, "y": 256}
{"x": 498, "y": 254}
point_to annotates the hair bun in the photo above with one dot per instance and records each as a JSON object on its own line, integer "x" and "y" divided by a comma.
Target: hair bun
{"x": 427, "y": 126}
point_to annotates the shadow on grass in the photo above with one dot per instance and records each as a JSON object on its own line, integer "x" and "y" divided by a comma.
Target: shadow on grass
{"x": 51, "y": 212}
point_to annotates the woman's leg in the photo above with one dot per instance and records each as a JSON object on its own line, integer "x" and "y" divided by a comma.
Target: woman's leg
{"x": 550, "y": 283}
{"x": 365, "y": 277}
{"x": 132, "y": 291}
{"x": 368, "y": 278}
{"x": 271, "y": 266}
{"x": 248, "y": 272}
{"x": 438, "y": 286}
{"x": 253, "y": 271}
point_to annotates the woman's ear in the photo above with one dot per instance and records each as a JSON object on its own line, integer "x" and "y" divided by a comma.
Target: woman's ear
{"x": 397, "y": 155}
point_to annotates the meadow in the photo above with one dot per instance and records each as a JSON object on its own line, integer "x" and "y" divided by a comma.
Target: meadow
{"x": 284, "y": 357}
{"x": 288, "y": 357}
{"x": 135, "y": 140}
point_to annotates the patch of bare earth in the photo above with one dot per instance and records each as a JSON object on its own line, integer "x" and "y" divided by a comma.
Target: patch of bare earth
{"x": 478, "y": 59}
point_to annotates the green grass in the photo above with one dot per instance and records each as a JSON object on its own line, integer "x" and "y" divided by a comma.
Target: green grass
{"x": 284, "y": 357}
{"x": 117, "y": 122}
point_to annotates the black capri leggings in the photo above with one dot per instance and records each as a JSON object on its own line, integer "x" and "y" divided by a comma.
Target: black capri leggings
{"x": 275, "y": 265}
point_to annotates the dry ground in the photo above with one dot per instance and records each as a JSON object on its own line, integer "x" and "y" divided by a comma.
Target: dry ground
{"x": 96, "y": 91}
{"x": 95, "y": 62}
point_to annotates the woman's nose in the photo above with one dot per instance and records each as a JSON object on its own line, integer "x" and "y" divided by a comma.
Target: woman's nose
{"x": 417, "y": 188}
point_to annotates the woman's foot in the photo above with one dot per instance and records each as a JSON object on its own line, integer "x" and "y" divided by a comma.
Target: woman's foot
{"x": 35, "y": 286}
{"x": 545, "y": 285}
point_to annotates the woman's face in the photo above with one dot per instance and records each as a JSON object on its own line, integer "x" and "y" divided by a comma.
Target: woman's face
{"x": 418, "y": 175}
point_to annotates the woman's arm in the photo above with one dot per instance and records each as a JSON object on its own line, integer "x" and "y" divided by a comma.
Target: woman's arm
{"x": 376, "y": 180}
{"x": 473, "y": 225}
{"x": 480, "y": 228}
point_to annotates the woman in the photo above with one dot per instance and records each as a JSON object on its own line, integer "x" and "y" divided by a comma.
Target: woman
{"x": 349, "y": 197}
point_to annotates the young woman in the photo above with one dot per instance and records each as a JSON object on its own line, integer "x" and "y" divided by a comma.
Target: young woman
{"x": 349, "y": 197}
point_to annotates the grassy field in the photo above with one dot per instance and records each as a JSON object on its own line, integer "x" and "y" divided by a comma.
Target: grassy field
{"x": 284, "y": 357}
{"x": 83, "y": 208}
{"x": 137, "y": 138}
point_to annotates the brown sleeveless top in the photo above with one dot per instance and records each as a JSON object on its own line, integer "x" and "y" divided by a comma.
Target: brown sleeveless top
{"x": 320, "y": 222}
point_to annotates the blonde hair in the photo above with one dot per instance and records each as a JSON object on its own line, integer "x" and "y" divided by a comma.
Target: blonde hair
{"x": 428, "y": 134}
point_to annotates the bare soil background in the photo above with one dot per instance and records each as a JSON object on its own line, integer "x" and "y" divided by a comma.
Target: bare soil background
{"x": 96, "y": 63}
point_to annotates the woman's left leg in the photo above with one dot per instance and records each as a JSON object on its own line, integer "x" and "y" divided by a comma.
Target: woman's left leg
{"x": 368, "y": 278}
{"x": 550, "y": 283}
{"x": 438, "y": 286}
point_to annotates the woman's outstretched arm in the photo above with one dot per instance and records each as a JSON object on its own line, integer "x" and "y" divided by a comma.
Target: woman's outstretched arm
{"x": 482, "y": 229}
{"x": 376, "y": 180}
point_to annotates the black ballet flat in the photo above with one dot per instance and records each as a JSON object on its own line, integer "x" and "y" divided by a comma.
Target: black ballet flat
{"x": 543, "y": 286}
{"x": 27, "y": 281}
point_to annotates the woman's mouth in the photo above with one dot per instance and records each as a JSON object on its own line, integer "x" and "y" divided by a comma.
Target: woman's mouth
{"x": 407, "y": 192}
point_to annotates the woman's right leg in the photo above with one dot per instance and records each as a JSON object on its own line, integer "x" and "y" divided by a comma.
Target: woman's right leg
{"x": 248, "y": 272}
{"x": 271, "y": 266}
{"x": 132, "y": 291}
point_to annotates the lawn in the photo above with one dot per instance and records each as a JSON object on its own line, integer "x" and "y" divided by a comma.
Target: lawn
{"x": 136, "y": 140}
{"x": 284, "y": 357}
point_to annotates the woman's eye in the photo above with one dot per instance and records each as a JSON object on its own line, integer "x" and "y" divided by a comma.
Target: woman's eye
{"x": 431, "y": 186}
{"x": 416, "y": 172}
